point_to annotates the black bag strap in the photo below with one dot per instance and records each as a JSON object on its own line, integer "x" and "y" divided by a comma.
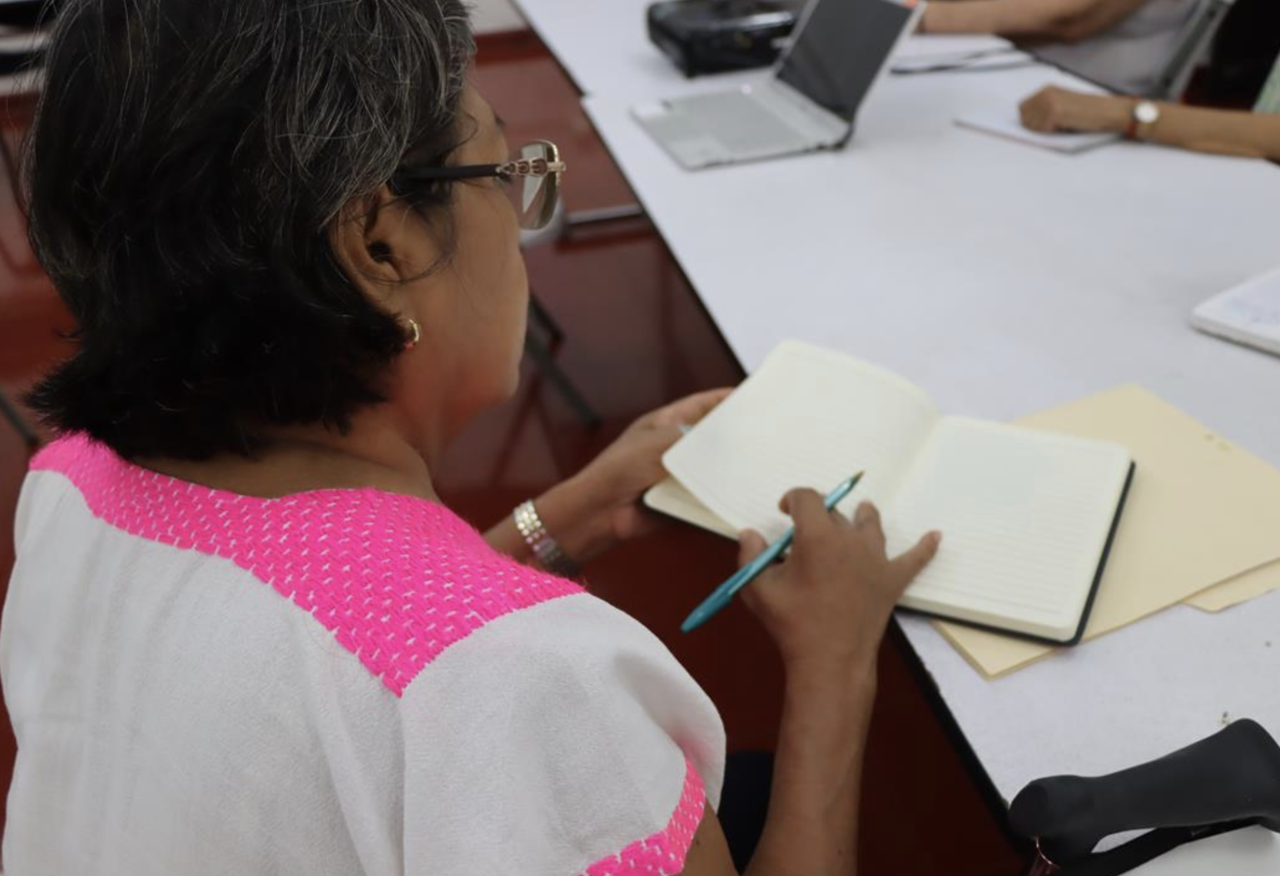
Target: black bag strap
{"x": 1223, "y": 782}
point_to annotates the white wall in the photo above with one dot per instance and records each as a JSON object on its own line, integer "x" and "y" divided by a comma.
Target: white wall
{"x": 495, "y": 15}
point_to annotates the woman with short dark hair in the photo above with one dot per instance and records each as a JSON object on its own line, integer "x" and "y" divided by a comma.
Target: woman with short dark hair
{"x": 243, "y": 635}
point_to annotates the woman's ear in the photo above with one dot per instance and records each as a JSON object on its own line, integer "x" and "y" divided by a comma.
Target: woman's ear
{"x": 381, "y": 240}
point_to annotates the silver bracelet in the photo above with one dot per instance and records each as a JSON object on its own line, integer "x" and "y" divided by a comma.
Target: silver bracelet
{"x": 545, "y": 549}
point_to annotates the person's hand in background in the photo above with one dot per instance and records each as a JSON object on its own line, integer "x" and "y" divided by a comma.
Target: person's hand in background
{"x": 1053, "y": 110}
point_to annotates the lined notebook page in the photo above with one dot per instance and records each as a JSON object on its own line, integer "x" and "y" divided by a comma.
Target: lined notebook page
{"x": 1025, "y": 517}
{"x": 807, "y": 418}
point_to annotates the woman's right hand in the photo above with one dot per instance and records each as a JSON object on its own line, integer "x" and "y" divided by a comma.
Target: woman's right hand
{"x": 828, "y": 603}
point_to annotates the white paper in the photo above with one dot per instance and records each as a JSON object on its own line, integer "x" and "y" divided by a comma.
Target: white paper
{"x": 920, "y": 46}
{"x": 1248, "y": 314}
{"x": 1006, "y": 123}
{"x": 961, "y": 61}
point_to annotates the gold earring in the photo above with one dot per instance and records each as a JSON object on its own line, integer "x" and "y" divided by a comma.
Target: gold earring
{"x": 417, "y": 335}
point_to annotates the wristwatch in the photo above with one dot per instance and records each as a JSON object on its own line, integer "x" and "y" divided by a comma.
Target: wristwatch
{"x": 1143, "y": 118}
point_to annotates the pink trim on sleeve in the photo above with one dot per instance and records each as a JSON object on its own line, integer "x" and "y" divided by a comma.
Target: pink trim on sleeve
{"x": 396, "y": 579}
{"x": 663, "y": 853}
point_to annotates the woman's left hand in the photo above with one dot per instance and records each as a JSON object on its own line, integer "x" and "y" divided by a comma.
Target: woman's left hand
{"x": 600, "y": 507}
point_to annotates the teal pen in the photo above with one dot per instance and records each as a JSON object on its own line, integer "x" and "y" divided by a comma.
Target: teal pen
{"x": 723, "y": 595}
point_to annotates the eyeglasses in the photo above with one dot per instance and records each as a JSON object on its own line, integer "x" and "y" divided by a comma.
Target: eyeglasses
{"x": 531, "y": 179}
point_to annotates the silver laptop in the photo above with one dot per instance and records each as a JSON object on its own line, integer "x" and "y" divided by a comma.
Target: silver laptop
{"x": 838, "y": 51}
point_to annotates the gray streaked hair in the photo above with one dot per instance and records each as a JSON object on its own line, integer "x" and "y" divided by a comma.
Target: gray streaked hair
{"x": 184, "y": 170}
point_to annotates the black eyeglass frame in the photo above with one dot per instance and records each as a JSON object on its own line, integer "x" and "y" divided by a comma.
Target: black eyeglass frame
{"x": 548, "y": 169}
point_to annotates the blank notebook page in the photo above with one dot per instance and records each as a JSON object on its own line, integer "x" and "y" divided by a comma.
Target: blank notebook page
{"x": 1025, "y": 518}
{"x": 806, "y": 418}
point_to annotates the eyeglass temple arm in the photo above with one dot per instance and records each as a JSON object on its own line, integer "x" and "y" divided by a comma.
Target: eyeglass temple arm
{"x": 444, "y": 174}
{"x": 520, "y": 167}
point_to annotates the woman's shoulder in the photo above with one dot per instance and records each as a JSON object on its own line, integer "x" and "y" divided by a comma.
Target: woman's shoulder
{"x": 396, "y": 579}
{"x": 513, "y": 693}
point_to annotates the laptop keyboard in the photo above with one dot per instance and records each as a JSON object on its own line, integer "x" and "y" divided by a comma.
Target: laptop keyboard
{"x": 739, "y": 122}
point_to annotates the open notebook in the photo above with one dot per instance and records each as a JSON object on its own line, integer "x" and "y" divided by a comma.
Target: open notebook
{"x": 1027, "y": 516}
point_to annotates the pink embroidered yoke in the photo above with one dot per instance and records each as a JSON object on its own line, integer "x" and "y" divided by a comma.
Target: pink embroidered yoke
{"x": 340, "y": 681}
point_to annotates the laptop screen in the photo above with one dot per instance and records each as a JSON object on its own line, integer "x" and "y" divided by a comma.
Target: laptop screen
{"x": 840, "y": 48}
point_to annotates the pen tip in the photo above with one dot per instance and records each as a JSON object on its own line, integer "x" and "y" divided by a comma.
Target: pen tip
{"x": 696, "y": 618}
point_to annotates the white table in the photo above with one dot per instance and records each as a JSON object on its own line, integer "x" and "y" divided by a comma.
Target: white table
{"x": 1002, "y": 279}
{"x": 1251, "y": 852}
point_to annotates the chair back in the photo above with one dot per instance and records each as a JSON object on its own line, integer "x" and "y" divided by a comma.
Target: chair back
{"x": 1193, "y": 43}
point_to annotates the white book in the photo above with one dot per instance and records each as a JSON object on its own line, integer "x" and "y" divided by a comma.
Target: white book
{"x": 1027, "y": 516}
{"x": 1247, "y": 314}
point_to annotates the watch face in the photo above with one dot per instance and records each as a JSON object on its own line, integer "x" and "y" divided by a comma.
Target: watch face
{"x": 1146, "y": 112}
